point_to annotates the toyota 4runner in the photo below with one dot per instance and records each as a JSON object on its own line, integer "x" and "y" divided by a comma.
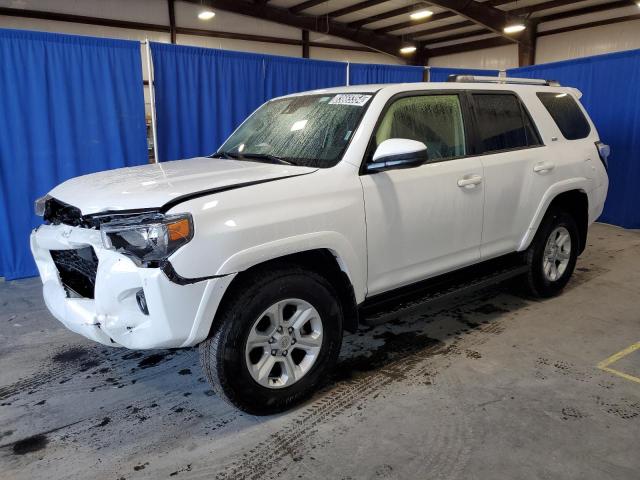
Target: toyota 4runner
{"x": 322, "y": 211}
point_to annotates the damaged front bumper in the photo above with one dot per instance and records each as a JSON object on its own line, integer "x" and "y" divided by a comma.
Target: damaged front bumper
{"x": 179, "y": 315}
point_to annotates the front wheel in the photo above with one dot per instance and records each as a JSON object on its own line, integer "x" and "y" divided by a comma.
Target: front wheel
{"x": 276, "y": 336}
{"x": 552, "y": 255}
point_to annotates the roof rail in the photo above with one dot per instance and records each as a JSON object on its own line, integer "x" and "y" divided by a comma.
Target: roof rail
{"x": 513, "y": 80}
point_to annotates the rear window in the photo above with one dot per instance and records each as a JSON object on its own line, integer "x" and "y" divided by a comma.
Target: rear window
{"x": 503, "y": 123}
{"x": 566, "y": 113}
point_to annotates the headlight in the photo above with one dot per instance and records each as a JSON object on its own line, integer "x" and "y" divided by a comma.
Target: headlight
{"x": 40, "y": 205}
{"x": 148, "y": 238}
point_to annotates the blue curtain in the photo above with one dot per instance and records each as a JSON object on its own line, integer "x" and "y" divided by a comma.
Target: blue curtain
{"x": 441, "y": 74}
{"x": 285, "y": 75}
{"x": 611, "y": 95}
{"x": 364, "y": 73}
{"x": 201, "y": 95}
{"x": 69, "y": 106}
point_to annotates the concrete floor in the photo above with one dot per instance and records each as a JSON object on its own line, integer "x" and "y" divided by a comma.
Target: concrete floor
{"x": 492, "y": 387}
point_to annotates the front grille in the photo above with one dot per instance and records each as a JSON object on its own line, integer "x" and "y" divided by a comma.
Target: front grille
{"x": 77, "y": 269}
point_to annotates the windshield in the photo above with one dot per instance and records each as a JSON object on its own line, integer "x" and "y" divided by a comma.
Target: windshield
{"x": 310, "y": 130}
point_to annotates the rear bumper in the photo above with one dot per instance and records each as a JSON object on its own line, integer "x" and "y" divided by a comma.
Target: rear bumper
{"x": 179, "y": 315}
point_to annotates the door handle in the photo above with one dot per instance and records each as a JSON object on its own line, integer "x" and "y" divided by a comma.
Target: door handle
{"x": 543, "y": 167}
{"x": 470, "y": 181}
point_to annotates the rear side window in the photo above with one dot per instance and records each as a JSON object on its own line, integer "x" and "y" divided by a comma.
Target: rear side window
{"x": 566, "y": 113}
{"x": 503, "y": 124}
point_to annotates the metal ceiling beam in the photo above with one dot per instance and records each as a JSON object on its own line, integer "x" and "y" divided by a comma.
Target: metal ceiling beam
{"x": 485, "y": 15}
{"x": 107, "y": 22}
{"x": 304, "y": 5}
{"x": 499, "y": 41}
{"x": 383, "y": 16}
{"x": 383, "y": 43}
{"x": 355, "y": 8}
{"x": 585, "y": 11}
{"x": 596, "y": 23}
{"x": 516, "y": 12}
{"x": 433, "y": 18}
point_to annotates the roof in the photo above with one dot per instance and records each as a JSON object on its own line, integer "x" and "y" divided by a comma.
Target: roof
{"x": 400, "y": 87}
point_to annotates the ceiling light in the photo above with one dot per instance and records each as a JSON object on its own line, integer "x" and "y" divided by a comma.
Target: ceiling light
{"x": 206, "y": 15}
{"x": 420, "y": 14}
{"x": 514, "y": 28}
{"x": 408, "y": 49}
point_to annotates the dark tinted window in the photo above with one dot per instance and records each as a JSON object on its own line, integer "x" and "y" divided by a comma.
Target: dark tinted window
{"x": 566, "y": 113}
{"x": 502, "y": 123}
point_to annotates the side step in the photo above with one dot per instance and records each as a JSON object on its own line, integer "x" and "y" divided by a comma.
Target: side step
{"x": 388, "y": 306}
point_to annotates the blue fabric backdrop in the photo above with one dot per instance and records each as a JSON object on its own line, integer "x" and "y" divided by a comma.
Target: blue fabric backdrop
{"x": 69, "y": 105}
{"x": 285, "y": 75}
{"x": 441, "y": 74}
{"x": 364, "y": 73}
{"x": 203, "y": 94}
{"x": 611, "y": 95}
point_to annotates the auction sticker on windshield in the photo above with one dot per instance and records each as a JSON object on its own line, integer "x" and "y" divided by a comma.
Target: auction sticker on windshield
{"x": 354, "y": 99}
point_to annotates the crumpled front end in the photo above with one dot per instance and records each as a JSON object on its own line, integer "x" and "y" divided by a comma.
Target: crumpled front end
{"x": 104, "y": 296}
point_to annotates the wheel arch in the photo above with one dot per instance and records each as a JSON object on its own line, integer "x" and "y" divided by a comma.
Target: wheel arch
{"x": 571, "y": 197}
{"x": 323, "y": 261}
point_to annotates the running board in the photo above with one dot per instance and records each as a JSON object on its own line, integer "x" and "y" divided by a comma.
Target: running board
{"x": 385, "y": 307}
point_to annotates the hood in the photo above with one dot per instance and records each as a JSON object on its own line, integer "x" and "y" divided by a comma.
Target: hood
{"x": 155, "y": 185}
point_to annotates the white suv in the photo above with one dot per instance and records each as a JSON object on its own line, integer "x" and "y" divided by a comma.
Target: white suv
{"x": 322, "y": 211}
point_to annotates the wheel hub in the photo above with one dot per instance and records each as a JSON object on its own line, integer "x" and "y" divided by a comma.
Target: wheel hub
{"x": 284, "y": 343}
{"x": 557, "y": 254}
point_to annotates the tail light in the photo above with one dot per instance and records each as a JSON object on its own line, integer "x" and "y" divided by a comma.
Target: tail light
{"x": 604, "y": 151}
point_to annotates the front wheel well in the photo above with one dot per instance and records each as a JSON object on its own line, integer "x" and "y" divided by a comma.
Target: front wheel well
{"x": 321, "y": 261}
{"x": 576, "y": 204}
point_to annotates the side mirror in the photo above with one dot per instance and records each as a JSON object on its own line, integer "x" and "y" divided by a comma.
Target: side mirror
{"x": 398, "y": 153}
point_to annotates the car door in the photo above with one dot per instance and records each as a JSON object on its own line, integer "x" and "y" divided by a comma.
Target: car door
{"x": 516, "y": 170}
{"x": 424, "y": 220}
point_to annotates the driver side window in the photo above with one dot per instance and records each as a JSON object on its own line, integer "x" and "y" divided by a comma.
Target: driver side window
{"x": 435, "y": 120}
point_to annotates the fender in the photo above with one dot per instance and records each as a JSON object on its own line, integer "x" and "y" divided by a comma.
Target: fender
{"x": 578, "y": 183}
{"x": 337, "y": 244}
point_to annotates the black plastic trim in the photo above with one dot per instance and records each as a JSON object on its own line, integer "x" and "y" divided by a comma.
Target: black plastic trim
{"x": 178, "y": 279}
{"x": 403, "y": 160}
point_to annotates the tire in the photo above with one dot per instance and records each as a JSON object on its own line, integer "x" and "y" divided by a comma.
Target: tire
{"x": 234, "y": 368}
{"x": 540, "y": 280}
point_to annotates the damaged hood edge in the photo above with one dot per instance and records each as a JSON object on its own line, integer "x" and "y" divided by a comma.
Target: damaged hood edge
{"x": 165, "y": 185}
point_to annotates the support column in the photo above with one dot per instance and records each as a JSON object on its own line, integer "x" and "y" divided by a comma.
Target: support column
{"x": 172, "y": 20}
{"x": 527, "y": 52}
{"x": 305, "y": 43}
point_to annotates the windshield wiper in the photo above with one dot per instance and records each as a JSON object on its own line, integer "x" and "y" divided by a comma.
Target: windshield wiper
{"x": 265, "y": 157}
{"x": 254, "y": 157}
{"x": 225, "y": 155}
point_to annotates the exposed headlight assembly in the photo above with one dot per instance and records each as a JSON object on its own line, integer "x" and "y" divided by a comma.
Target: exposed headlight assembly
{"x": 148, "y": 238}
{"x": 40, "y": 205}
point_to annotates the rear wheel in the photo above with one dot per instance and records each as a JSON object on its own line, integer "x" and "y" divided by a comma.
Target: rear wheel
{"x": 277, "y": 335}
{"x": 552, "y": 255}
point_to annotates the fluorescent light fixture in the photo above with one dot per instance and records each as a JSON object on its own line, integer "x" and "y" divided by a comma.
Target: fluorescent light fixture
{"x": 408, "y": 49}
{"x": 514, "y": 28}
{"x": 420, "y": 14}
{"x": 206, "y": 14}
